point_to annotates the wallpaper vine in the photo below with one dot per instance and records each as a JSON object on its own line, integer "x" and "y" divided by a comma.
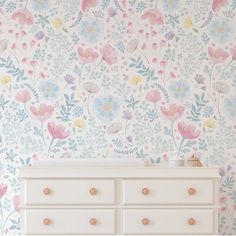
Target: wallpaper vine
{"x": 135, "y": 78}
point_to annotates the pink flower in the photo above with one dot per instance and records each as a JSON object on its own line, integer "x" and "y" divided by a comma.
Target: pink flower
{"x": 163, "y": 63}
{"x": 87, "y": 55}
{"x": 109, "y": 54}
{"x": 87, "y": 4}
{"x": 217, "y": 4}
{"x": 23, "y": 96}
{"x": 233, "y": 52}
{"x": 43, "y": 112}
{"x": 3, "y": 190}
{"x": 188, "y": 130}
{"x": 23, "y": 16}
{"x": 173, "y": 112}
{"x": 153, "y": 96}
{"x": 16, "y": 202}
{"x": 217, "y": 55}
{"x": 223, "y": 200}
{"x": 58, "y": 131}
{"x": 154, "y": 16}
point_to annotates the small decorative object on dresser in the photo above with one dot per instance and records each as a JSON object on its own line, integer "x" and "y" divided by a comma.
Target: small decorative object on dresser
{"x": 119, "y": 200}
{"x": 176, "y": 160}
{"x": 193, "y": 161}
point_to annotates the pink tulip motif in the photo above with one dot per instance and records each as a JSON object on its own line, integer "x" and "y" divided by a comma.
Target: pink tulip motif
{"x": 23, "y": 96}
{"x": 23, "y": 16}
{"x": 233, "y": 55}
{"x": 217, "y": 55}
{"x": 217, "y": 4}
{"x": 16, "y": 202}
{"x": 87, "y": 55}
{"x": 153, "y": 96}
{"x": 87, "y": 4}
{"x": 42, "y": 112}
{"x": 154, "y": 16}
{"x": 109, "y": 55}
{"x": 57, "y": 132}
{"x": 172, "y": 113}
{"x": 187, "y": 131}
{"x": 3, "y": 190}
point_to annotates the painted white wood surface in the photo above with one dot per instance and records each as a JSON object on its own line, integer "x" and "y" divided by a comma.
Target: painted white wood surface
{"x": 69, "y": 221}
{"x": 168, "y": 221}
{"x": 167, "y": 191}
{"x": 120, "y": 197}
{"x": 73, "y": 191}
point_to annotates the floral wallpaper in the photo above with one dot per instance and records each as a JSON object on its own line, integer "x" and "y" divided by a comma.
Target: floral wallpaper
{"x": 128, "y": 78}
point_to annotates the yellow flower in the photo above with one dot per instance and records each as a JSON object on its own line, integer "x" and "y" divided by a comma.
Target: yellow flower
{"x": 57, "y": 23}
{"x": 5, "y": 80}
{"x": 210, "y": 123}
{"x": 188, "y": 22}
{"x": 80, "y": 123}
{"x": 136, "y": 79}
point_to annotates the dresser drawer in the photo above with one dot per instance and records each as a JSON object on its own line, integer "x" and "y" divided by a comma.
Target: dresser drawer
{"x": 69, "y": 191}
{"x": 168, "y": 191}
{"x": 69, "y": 222}
{"x": 174, "y": 221}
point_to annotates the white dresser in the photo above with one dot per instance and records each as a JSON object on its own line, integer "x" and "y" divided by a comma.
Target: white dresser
{"x": 119, "y": 200}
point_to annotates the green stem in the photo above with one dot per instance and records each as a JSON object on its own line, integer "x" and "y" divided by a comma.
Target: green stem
{"x": 80, "y": 74}
{"x": 49, "y": 148}
{"x": 212, "y": 68}
{"x": 226, "y": 67}
{"x": 180, "y": 146}
{"x": 28, "y": 112}
{"x": 155, "y": 106}
{"x": 172, "y": 134}
{"x": 143, "y": 55}
{"x": 4, "y": 224}
{"x": 88, "y": 103}
{"x": 43, "y": 133}
{"x": 96, "y": 68}
{"x": 26, "y": 2}
{"x": 218, "y": 103}
{"x": 124, "y": 140}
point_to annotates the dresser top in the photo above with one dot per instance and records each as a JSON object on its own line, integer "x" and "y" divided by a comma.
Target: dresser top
{"x": 117, "y": 172}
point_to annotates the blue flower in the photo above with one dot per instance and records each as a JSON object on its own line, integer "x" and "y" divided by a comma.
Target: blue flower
{"x": 179, "y": 89}
{"x": 229, "y": 108}
{"x": 91, "y": 30}
{"x": 40, "y": 5}
{"x": 170, "y": 5}
{"x": 221, "y": 30}
{"x": 106, "y": 108}
{"x": 48, "y": 89}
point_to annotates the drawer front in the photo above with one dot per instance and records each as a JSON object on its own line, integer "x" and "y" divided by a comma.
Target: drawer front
{"x": 168, "y": 191}
{"x": 69, "y": 222}
{"x": 71, "y": 191}
{"x": 168, "y": 221}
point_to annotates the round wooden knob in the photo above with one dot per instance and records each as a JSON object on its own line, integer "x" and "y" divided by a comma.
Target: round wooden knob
{"x": 145, "y": 191}
{"x": 191, "y": 221}
{"x": 191, "y": 191}
{"x": 145, "y": 221}
{"x": 46, "y": 221}
{"x": 93, "y": 191}
{"x": 93, "y": 221}
{"x": 46, "y": 191}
